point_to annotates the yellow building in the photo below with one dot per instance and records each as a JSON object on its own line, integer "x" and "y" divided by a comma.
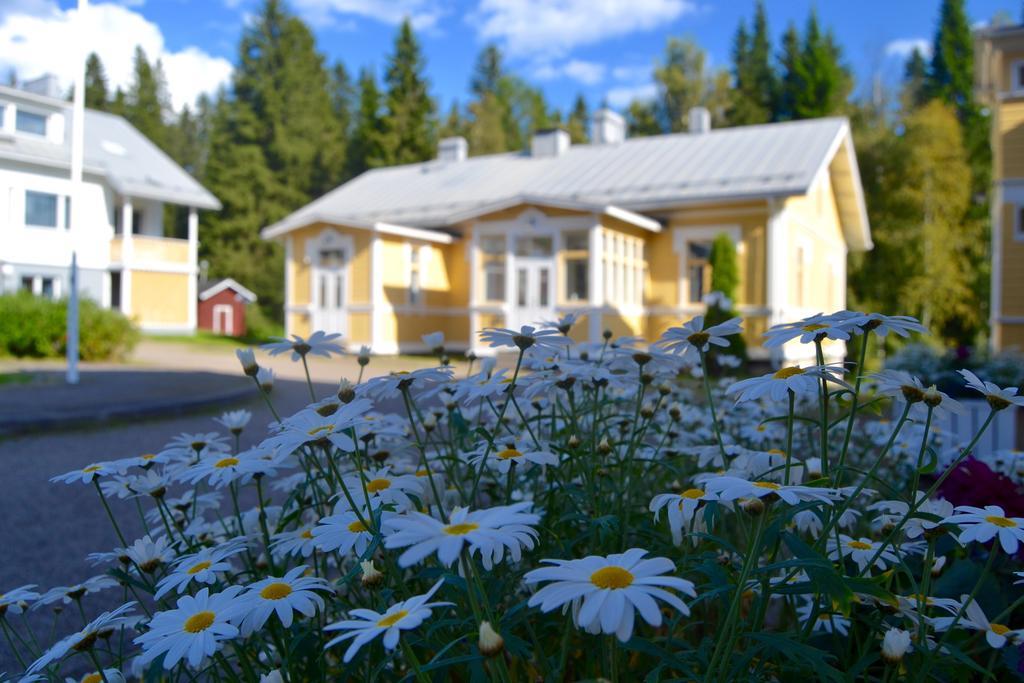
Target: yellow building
{"x": 618, "y": 231}
{"x": 999, "y": 66}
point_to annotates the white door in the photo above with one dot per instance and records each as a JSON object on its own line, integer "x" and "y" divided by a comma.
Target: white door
{"x": 330, "y": 279}
{"x": 533, "y": 298}
{"x": 223, "y": 319}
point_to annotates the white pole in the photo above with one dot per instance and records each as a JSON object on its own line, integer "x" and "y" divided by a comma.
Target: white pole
{"x": 77, "y": 158}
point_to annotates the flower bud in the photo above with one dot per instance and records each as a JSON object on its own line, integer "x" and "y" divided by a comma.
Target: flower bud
{"x": 938, "y": 565}
{"x": 604, "y": 448}
{"x": 491, "y": 643}
{"x": 574, "y": 441}
{"x": 265, "y": 378}
{"x": 248, "y": 360}
{"x": 372, "y": 577}
{"x": 346, "y": 391}
{"x": 364, "y": 356}
{"x": 647, "y": 410}
{"x": 895, "y": 644}
{"x": 607, "y": 334}
{"x": 664, "y": 388}
{"x": 753, "y": 506}
{"x": 932, "y": 397}
{"x": 675, "y": 411}
{"x": 429, "y": 423}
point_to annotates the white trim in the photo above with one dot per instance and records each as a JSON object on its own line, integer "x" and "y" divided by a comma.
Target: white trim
{"x": 290, "y": 224}
{"x": 193, "y": 261}
{"x": 127, "y": 256}
{"x": 596, "y": 265}
{"x": 377, "y": 298}
{"x": 1011, "y": 319}
{"x": 611, "y": 210}
{"x": 413, "y": 233}
{"x": 289, "y": 258}
{"x": 215, "y": 320}
{"x": 682, "y": 236}
{"x": 1016, "y": 86}
{"x": 996, "y": 212}
{"x": 225, "y": 284}
{"x": 155, "y": 267}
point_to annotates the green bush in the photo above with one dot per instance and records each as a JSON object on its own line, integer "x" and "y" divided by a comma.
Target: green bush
{"x": 725, "y": 279}
{"x": 35, "y": 327}
{"x": 259, "y": 327}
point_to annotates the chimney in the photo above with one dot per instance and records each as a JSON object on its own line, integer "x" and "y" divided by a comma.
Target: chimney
{"x": 552, "y": 142}
{"x": 699, "y": 120}
{"x": 46, "y": 85}
{"x": 608, "y": 128}
{"x": 452, "y": 149}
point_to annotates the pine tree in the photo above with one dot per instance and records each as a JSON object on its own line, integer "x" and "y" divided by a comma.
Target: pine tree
{"x": 579, "y": 121}
{"x": 146, "y": 102}
{"x": 915, "y": 76}
{"x": 487, "y": 71}
{"x": 792, "y": 79}
{"x": 365, "y": 146}
{"x": 755, "y": 79}
{"x": 343, "y": 103}
{"x": 951, "y": 74}
{"x": 410, "y": 126}
{"x": 96, "y": 90}
{"x": 825, "y": 81}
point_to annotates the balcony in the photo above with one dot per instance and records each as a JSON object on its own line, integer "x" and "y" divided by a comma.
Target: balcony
{"x": 151, "y": 249}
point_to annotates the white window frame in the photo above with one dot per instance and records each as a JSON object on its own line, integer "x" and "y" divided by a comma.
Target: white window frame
{"x": 682, "y": 236}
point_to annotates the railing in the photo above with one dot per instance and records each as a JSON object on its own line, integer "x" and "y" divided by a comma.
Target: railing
{"x": 150, "y": 249}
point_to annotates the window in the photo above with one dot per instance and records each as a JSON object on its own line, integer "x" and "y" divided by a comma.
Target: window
{"x": 40, "y": 209}
{"x": 30, "y": 122}
{"x": 698, "y": 269}
{"x": 115, "y": 289}
{"x": 577, "y": 266}
{"x": 67, "y": 212}
{"x": 1017, "y": 75}
{"x": 414, "y": 255}
{"x": 27, "y": 283}
{"x": 136, "y": 220}
{"x": 492, "y": 249}
{"x": 534, "y": 246}
{"x": 48, "y": 287}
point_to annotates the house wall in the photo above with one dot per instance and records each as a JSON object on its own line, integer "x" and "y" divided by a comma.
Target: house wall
{"x": 204, "y": 316}
{"x": 160, "y": 301}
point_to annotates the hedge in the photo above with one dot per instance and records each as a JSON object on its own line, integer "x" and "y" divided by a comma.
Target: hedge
{"x": 35, "y": 327}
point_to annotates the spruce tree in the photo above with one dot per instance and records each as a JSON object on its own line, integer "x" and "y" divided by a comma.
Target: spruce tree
{"x": 365, "y": 146}
{"x": 915, "y": 76}
{"x": 487, "y": 71}
{"x": 951, "y": 75}
{"x": 454, "y": 124}
{"x": 96, "y": 89}
{"x": 409, "y": 126}
{"x": 792, "y": 79}
{"x": 578, "y": 122}
{"x": 826, "y": 82}
{"x": 146, "y": 102}
{"x": 755, "y": 79}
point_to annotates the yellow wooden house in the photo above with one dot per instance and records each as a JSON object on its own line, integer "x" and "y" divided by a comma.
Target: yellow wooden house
{"x": 618, "y": 231}
{"x": 999, "y": 67}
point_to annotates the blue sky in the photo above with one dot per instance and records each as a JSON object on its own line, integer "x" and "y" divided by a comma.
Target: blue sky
{"x": 601, "y": 49}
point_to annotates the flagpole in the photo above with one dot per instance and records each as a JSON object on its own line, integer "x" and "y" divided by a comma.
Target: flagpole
{"x": 77, "y": 160}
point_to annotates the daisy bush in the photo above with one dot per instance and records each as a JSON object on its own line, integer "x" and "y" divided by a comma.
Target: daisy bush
{"x": 607, "y": 510}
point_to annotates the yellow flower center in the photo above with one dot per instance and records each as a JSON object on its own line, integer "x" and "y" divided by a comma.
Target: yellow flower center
{"x": 1001, "y": 522}
{"x": 509, "y": 453}
{"x": 92, "y": 678}
{"x": 199, "y": 622}
{"x": 225, "y": 462}
{"x": 611, "y": 577}
{"x": 460, "y": 529}
{"x": 276, "y": 591}
{"x": 786, "y": 373}
{"x": 692, "y": 493}
{"x": 392, "y": 619}
{"x": 92, "y": 468}
{"x": 322, "y": 428}
{"x": 767, "y": 485}
{"x": 776, "y": 451}
{"x": 860, "y": 545}
{"x": 375, "y": 485}
{"x": 999, "y": 629}
{"x": 422, "y": 473}
{"x": 357, "y": 527}
{"x": 148, "y": 456}
{"x": 306, "y": 533}
{"x": 198, "y": 567}
{"x": 813, "y": 327}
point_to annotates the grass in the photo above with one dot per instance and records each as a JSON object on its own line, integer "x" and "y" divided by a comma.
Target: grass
{"x": 207, "y": 339}
{"x": 15, "y": 378}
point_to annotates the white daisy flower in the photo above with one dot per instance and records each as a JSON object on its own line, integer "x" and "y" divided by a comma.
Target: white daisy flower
{"x": 118, "y": 486}
{"x": 693, "y": 338}
{"x": 65, "y": 594}
{"x": 234, "y": 420}
{"x": 392, "y": 385}
{"x": 482, "y": 385}
{"x": 733, "y": 488}
{"x": 490, "y": 532}
{"x": 148, "y": 555}
{"x": 882, "y": 325}
{"x": 318, "y": 344}
{"x": 89, "y": 472}
{"x": 367, "y": 625}
{"x": 247, "y": 358}
{"x": 204, "y": 566}
{"x": 218, "y": 470}
{"x": 895, "y": 510}
{"x": 83, "y": 640}
{"x": 681, "y": 508}
{"x": 997, "y": 398}
{"x": 809, "y": 329}
{"x": 294, "y": 592}
{"x": 187, "y": 446}
{"x": 997, "y": 635}
{"x": 861, "y": 551}
{"x": 434, "y": 341}
{"x": 525, "y": 338}
{"x": 295, "y": 542}
{"x": 609, "y": 590}
{"x": 343, "y": 531}
{"x": 808, "y": 521}
{"x": 265, "y": 378}
{"x": 384, "y": 488}
{"x": 308, "y": 426}
{"x": 777, "y": 385}
{"x": 149, "y": 483}
{"x": 108, "y": 675}
{"x": 982, "y": 524}
{"x": 563, "y": 324}
{"x": 826, "y": 620}
{"x": 507, "y": 451}
{"x": 17, "y": 599}
{"x": 193, "y": 631}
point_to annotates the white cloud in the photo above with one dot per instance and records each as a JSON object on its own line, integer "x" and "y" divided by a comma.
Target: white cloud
{"x": 587, "y": 73}
{"x": 424, "y": 14}
{"x": 904, "y": 47}
{"x": 632, "y": 73}
{"x": 621, "y": 97}
{"x": 552, "y": 28}
{"x": 28, "y": 39}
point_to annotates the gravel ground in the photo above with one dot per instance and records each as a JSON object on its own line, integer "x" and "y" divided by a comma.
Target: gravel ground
{"x": 48, "y": 529}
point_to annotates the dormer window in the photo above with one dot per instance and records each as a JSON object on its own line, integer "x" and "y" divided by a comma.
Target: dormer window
{"x": 30, "y": 122}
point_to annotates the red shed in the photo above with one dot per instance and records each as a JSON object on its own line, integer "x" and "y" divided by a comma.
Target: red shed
{"x": 221, "y": 307}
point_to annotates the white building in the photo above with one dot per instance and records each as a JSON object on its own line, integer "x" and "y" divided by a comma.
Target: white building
{"x": 127, "y": 259}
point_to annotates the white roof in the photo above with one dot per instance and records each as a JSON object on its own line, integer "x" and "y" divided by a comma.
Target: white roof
{"x": 114, "y": 149}
{"x": 637, "y": 175}
{"x": 227, "y": 283}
